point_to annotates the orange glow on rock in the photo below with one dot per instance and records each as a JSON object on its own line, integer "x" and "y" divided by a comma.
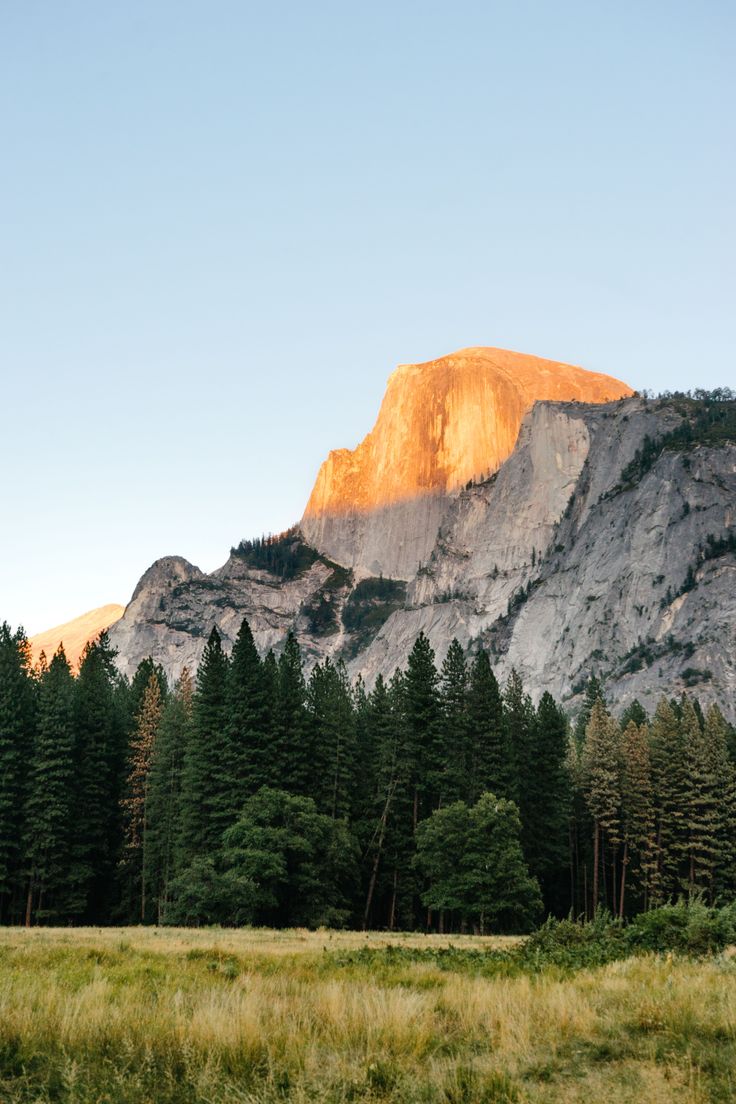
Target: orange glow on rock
{"x": 444, "y": 422}
{"x": 74, "y": 635}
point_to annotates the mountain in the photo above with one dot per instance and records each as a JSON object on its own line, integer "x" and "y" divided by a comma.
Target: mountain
{"x": 595, "y": 537}
{"x": 74, "y": 635}
{"x": 377, "y": 509}
{"x": 605, "y": 544}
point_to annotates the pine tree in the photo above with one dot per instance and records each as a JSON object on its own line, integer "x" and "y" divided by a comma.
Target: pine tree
{"x": 489, "y": 765}
{"x": 423, "y": 729}
{"x": 716, "y": 737}
{"x": 98, "y": 769}
{"x": 363, "y": 794}
{"x": 637, "y": 816}
{"x": 203, "y": 818}
{"x": 398, "y": 777}
{"x": 17, "y": 736}
{"x": 602, "y": 782}
{"x": 580, "y": 828}
{"x": 519, "y": 732}
{"x": 333, "y": 739}
{"x": 272, "y": 765}
{"x": 294, "y": 751}
{"x": 49, "y": 803}
{"x": 671, "y": 787}
{"x": 249, "y": 731}
{"x": 546, "y": 787}
{"x": 634, "y": 712}
{"x": 379, "y": 731}
{"x": 593, "y": 693}
{"x": 701, "y": 804}
{"x": 135, "y": 801}
{"x": 139, "y": 685}
{"x": 455, "y": 736}
{"x": 164, "y": 792}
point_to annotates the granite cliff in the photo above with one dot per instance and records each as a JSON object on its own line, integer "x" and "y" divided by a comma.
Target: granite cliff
{"x": 378, "y": 508}
{"x": 595, "y": 536}
{"x": 592, "y": 550}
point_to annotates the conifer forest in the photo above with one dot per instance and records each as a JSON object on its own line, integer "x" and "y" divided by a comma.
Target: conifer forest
{"x": 440, "y": 801}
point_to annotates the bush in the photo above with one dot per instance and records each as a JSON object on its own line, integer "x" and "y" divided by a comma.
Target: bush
{"x": 685, "y": 928}
{"x": 573, "y": 945}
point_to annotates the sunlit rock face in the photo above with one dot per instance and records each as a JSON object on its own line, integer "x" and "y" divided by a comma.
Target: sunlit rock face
{"x": 559, "y": 564}
{"x": 561, "y": 568}
{"x": 76, "y": 634}
{"x": 378, "y": 508}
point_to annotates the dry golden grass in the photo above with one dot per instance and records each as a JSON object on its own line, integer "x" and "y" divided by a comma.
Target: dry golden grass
{"x": 134, "y": 1016}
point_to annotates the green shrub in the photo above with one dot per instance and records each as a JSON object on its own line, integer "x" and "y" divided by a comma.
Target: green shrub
{"x": 685, "y": 928}
{"x": 572, "y": 945}
{"x": 688, "y": 928}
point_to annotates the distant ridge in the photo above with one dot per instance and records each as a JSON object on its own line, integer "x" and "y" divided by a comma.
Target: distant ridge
{"x": 74, "y": 635}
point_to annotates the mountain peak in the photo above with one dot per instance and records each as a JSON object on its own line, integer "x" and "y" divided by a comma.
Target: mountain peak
{"x": 441, "y": 423}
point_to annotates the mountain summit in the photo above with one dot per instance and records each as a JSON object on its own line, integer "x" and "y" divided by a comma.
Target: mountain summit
{"x": 441, "y": 424}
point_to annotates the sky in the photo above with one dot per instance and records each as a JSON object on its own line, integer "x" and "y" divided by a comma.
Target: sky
{"x": 223, "y": 224}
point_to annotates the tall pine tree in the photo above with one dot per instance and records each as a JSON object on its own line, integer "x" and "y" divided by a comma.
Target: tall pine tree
{"x": 546, "y": 788}
{"x": 294, "y": 748}
{"x": 49, "y": 803}
{"x": 164, "y": 797}
{"x": 98, "y": 757}
{"x": 488, "y": 755}
{"x": 135, "y": 802}
{"x": 204, "y": 813}
{"x": 17, "y": 735}
{"x": 455, "y": 725}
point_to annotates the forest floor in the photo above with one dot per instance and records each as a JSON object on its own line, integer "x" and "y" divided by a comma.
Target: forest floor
{"x": 168, "y": 1016}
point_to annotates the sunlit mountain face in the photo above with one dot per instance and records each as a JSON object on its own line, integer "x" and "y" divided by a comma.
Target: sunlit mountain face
{"x": 76, "y": 634}
{"x": 441, "y": 424}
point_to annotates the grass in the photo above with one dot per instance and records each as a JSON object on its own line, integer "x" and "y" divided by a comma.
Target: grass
{"x": 145, "y": 1016}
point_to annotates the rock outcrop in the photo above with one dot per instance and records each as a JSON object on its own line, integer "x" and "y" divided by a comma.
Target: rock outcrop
{"x": 602, "y": 541}
{"x": 76, "y": 634}
{"x": 563, "y": 569}
{"x": 175, "y": 606}
{"x": 378, "y": 509}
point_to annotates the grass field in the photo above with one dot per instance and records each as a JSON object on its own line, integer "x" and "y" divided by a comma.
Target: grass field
{"x": 222, "y": 1017}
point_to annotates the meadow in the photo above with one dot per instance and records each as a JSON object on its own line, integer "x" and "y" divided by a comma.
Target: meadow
{"x": 127, "y": 1016}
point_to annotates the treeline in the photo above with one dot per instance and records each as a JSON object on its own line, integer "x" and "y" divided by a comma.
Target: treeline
{"x": 256, "y": 795}
{"x": 699, "y": 394}
{"x": 284, "y": 555}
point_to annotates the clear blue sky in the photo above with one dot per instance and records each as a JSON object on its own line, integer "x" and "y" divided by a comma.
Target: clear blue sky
{"x": 222, "y": 224}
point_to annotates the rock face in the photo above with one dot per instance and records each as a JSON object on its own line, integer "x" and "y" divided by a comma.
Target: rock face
{"x": 378, "y": 509}
{"x": 175, "y": 606}
{"x": 602, "y": 542}
{"x": 76, "y": 634}
{"x": 563, "y": 571}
